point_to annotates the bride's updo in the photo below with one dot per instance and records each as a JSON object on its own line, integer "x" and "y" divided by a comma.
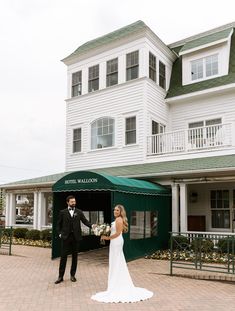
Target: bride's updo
{"x": 124, "y": 218}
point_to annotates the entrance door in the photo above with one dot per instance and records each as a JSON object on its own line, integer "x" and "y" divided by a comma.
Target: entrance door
{"x": 196, "y": 223}
{"x": 96, "y": 206}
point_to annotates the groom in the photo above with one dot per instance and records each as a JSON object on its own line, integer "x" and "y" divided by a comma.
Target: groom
{"x": 69, "y": 230}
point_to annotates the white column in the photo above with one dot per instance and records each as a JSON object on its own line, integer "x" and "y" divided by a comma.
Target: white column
{"x": 175, "y": 207}
{"x": 12, "y": 209}
{"x": 35, "y": 210}
{"x": 7, "y": 210}
{"x": 183, "y": 208}
{"x": 41, "y": 210}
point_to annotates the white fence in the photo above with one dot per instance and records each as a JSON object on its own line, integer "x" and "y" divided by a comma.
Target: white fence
{"x": 207, "y": 137}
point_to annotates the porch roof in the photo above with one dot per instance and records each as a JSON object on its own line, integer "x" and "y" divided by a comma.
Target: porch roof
{"x": 156, "y": 169}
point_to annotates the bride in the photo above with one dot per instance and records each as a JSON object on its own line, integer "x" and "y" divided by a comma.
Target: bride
{"x": 120, "y": 285}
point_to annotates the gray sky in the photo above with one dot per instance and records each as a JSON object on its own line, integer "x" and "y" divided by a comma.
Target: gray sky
{"x": 36, "y": 34}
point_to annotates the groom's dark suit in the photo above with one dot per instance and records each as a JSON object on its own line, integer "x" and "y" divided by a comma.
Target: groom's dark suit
{"x": 69, "y": 229}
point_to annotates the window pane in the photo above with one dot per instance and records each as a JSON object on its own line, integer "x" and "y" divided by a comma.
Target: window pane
{"x": 151, "y": 222}
{"x": 213, "y": 122}
{"x": 137, "y": 225}
{"x": 131, "y": 137}
{"x": 77, "y": 140}
{"x": 155, "y": 128}
{"x": 152, "y": 67}
{"x": 132, "y": 65}
{"x": 102, "y": 133}
{"x": 76, "y": 83}
{"x": 221, "y": 213}
{"x": 162, "y": 75}
{"x": 85, "y": 229}
{"x": 112, "y": 72}
{"x": 197, "y": 69}
{"x": 93, "y": 81}
{"x": 212, "y": 65}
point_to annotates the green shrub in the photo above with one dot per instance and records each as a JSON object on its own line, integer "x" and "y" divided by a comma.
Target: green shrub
{"x": 20, "y": 232}
{"x": 7, "y": 232}
{"x": 33, "y": 235}
{"x": 46, "y": 235}
{"x": 225, "y": 245}
{"x": 206, "y": 245}
{"x": 180, "y": 242}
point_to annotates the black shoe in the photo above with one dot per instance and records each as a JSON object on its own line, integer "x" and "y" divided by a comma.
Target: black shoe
{"x": 59, "y": 280}
{"x": 73, "y": 279}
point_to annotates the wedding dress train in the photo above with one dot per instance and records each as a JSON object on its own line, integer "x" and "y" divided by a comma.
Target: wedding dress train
{"x": 120, "y": 285}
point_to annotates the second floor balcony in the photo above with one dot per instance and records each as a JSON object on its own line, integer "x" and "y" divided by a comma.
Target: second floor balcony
{"x": 193, "y": 139}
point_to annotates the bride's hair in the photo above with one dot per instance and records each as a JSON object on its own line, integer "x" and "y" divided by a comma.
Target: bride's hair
{"x": 124, "y": 218}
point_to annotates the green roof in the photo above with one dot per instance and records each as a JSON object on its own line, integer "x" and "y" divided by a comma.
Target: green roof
{"x": 176, "y": 88}
{"x": 167, "y": 168}
{"x": 108, "y": 38}
{"x": 90, "y": 181}
{"x": 206, "y": 40}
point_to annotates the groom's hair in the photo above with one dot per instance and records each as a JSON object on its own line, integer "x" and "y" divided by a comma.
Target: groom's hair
{"x": 69, "y": 198}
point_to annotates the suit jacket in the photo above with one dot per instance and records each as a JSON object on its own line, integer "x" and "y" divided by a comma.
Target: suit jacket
{"x": 64, "y": 223}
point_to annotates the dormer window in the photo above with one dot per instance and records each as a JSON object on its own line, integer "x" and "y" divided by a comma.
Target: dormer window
{"x": 204, "y": 67}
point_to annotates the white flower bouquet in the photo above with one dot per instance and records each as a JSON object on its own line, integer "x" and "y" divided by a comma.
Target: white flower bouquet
{"x": 103, "y": 229}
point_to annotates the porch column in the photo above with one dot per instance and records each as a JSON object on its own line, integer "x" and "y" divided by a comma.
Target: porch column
{"x": 175, "y": 207}
{"x": 35, "y": 210}
{"x": 41, "y": 210}
{"x": 183, "y": 208}
{"x": 12, "y": 209}
{"x": 7, "y": 210}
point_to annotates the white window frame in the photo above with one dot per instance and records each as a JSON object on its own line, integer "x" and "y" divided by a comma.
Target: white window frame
{"x": 114, "y": 133}
{"x": 152, "y": 68}
{"x": 78, "y": 84}
{"x": 73, "y": 129}
{"x": 111, "y": 73}
{"x": 159, "y": 74}
{"x": 136, "y": 126}
{"x": 204, "y": 72}
{"x": 133, "y": 65}
{"x": 92, "y": 78}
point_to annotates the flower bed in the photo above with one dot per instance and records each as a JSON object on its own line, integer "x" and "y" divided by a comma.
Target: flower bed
{"x": 212, "y": 257}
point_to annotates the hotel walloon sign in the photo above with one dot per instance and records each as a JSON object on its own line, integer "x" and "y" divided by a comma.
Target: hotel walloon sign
{"x": 81, "y": 181}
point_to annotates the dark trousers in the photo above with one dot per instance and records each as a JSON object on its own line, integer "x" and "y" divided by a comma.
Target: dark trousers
{"x": 68, "y": 246}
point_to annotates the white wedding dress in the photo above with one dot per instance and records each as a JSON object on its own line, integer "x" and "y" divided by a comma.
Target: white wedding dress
{"x": 120, "y": 285}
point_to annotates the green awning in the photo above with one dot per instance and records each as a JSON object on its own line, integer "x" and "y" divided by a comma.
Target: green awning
{"x": 90, "y": 181}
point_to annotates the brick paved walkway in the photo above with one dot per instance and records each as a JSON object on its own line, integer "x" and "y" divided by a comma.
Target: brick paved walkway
{"x": 27, "y": 283}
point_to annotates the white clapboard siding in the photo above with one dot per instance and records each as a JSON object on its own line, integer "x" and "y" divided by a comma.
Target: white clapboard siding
{"x": 157, "y": 109}
{"x": 215, "y": 106}
{"x": 117, "y": 102}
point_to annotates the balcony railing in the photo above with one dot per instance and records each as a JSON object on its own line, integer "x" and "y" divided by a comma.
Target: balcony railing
{"x": 207, "y": 137}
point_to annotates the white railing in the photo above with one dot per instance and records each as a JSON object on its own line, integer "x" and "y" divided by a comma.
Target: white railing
{"x": 207, "y": 137}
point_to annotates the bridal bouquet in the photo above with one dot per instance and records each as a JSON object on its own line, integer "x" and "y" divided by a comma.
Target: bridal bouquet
{"x": 103, "y": 229}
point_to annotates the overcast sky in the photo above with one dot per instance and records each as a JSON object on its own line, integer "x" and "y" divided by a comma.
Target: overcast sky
{"x": 36, "y": 34}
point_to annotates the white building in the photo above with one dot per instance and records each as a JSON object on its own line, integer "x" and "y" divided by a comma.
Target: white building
{"x": 139, "y": 108}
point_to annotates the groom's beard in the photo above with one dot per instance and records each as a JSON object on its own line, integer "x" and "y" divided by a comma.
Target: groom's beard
{"x": 72, "y": 205}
